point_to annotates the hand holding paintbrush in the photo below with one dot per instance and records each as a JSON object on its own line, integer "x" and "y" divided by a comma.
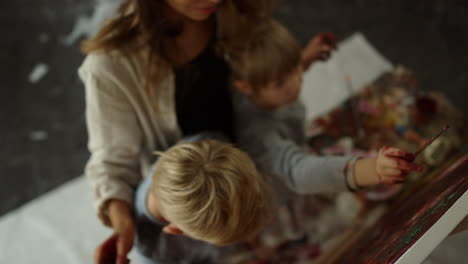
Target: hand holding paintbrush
{"x": 404, "y": 160}
{"x": 390, "y": 166}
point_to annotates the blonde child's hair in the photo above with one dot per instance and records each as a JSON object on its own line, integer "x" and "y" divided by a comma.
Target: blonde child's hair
{"x": 269, "y": 54}
{"x": 212, "y": 192}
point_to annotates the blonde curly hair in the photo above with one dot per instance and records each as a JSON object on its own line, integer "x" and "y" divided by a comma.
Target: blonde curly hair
{"x": 212, "y": 191}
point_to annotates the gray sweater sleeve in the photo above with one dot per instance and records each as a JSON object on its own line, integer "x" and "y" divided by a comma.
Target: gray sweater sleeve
{"x": 301, "y": 171}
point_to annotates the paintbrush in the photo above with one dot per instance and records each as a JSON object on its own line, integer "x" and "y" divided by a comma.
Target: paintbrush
{"x": 412, "y": 156}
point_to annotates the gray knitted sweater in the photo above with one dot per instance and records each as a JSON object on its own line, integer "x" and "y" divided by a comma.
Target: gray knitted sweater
{"x": 276, "y": 141}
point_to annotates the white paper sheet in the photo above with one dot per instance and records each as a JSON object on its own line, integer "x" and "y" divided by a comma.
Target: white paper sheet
{"x": 325, "y": 84}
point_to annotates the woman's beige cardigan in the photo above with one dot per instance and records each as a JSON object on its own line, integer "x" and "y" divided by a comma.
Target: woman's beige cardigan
{"x": 123, "y": 128}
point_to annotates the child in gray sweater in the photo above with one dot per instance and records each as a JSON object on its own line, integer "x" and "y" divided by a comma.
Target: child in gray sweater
{"x": 270, "y": 119}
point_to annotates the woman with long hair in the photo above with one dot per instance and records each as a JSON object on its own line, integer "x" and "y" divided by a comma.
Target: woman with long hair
{"x": 154, "y": 73}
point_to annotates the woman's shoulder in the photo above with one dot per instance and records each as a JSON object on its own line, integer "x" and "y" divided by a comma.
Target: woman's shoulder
{"x": 110, "y": 63}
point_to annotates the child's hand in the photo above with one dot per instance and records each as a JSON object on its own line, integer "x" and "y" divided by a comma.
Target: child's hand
{"x": 121, "y": 243}
{"x": 392, "y": 165}
{"x": 319, "y": 48}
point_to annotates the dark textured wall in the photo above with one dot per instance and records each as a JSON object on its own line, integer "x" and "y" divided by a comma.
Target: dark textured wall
{"x": 33, "y": 32}
{"x": 428, "y": 36}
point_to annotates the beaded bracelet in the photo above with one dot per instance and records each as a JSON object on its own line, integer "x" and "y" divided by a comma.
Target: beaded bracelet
{"x": 349, "y": 175}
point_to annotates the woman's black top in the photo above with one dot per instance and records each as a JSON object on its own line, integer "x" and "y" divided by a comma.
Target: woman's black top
{"x": 203, "y": 96}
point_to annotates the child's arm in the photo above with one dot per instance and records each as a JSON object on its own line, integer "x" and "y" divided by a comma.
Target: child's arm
{"x": 306, "y": 173}
{"x": 301, "y": 171}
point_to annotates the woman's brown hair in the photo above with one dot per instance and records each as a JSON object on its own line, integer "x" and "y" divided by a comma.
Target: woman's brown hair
{"x": 143, "y": 23}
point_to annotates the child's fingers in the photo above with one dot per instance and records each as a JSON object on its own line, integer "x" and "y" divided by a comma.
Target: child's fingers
{"x": 408, "y": 166}
{"x": 390, "y": 173}
{"x": 393, "y": 165}
{"x": 386, "y": 162}
{"x": 397, "y": 153}
{"x": 328, "y": 38}
{"x": 325, "y": 56}
{"x": 316, "y": 41}
{"x": 392, "y": 176}
{"x": 326, "y": 48}
{"x": 398, "y": 163}
{"x": 393, "y": 152}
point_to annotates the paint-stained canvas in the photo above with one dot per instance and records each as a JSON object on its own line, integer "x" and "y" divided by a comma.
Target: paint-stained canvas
{"x": 410, "y": 217}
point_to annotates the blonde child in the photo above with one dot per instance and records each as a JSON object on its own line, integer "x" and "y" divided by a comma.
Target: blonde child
{"x": 203, "y": 193}
{"x": 267, "y": 73}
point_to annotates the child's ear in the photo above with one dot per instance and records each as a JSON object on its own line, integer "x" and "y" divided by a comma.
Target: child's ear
{"x": 172, "y": 229}
{"x": 243, "y": 87}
